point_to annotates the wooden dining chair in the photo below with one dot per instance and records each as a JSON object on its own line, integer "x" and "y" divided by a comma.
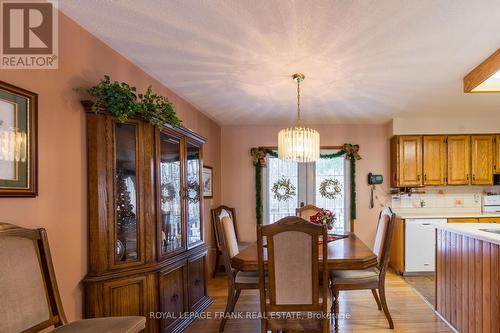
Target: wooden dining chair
{"x": 293, "y": 284}
{"x": 236, "y": 280}
{"x": 307, "y": 211}
{"x": 217, "y": 215}
{"x": 29, "y": 297}
{"x": 372, "y": 279}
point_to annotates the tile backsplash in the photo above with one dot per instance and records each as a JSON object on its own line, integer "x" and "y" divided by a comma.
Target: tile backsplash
{"x": 460, "y": 197}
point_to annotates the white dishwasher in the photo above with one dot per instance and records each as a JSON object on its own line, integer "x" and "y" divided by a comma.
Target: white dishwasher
{"x": 420, "y": 244}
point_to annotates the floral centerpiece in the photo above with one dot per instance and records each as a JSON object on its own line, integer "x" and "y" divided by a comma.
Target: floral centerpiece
{"x": 324, "y": 217}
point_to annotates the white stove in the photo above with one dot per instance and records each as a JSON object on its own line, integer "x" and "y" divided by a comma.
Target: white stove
{"x": 491, "y": 203}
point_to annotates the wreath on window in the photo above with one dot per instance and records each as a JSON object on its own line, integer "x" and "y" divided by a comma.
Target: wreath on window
{"x": 330, "y": 188}
{"x": 193, "y": 191}
{"x": 283, "y": 189}
{"x": 167, "y": 193}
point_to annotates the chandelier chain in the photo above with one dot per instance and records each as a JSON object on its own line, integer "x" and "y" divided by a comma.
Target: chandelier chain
{"x": 298, "y": 101}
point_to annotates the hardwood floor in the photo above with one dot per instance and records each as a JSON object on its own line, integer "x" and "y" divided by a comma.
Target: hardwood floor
{"x": 409, "y": 312}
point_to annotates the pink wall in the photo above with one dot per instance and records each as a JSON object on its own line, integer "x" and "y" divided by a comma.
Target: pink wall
{"x": 238, "y": 173}
{"x": 61, "y": 206}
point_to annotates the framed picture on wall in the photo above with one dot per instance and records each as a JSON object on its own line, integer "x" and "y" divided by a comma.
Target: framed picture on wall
{"x": 18, "y": 141}
{"x": 208, "y": 182}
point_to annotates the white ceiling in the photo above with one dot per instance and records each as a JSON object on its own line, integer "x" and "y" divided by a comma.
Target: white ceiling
{"x": 365, "y": 61}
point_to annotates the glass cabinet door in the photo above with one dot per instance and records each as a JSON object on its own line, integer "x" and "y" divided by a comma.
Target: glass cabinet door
{"x": 126, "y": 193}
{"x": 170, "y": 193}
{"x": 193, "y": 194}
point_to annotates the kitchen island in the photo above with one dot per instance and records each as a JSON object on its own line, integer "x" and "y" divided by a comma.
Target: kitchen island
{"x": 467, "y": 276}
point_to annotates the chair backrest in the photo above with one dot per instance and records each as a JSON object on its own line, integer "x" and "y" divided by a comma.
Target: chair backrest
{"x": 228, "y": 245}
{"x": 307, "y": 211}
{"x": 291, "y": 258}
{"x": 29, "y": 297}
{"x": 383, "y": 238}
{"x": 217, "y": 215}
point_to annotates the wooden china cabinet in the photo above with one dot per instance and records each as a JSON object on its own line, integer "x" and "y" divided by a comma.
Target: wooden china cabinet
{"x": 146, "y": 249}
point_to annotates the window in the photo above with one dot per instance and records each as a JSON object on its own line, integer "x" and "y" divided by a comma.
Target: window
{"x": 277, "y": 169}
{"x": 307, "y": 178}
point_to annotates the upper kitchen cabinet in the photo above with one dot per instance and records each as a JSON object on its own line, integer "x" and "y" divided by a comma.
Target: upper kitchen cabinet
{"x": 482, "y": 159}
{"x": 406, "y": 163}
{"x": 496, "y": 155}
{"x": 434, "y": 160}
{"x": 458, "y": 160}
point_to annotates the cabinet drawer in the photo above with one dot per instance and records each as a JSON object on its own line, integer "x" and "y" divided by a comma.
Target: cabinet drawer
{"x": 172, "y": 294}
{"x": 196, "y": 277}
{"x": 463, "y": 220}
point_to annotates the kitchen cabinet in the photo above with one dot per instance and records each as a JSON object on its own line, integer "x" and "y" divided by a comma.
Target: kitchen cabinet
{"x": 397, "y": 256}
{"x": 407, "y": 161}
{"x": 489, "y": 220}
{"x": 458, "y": 160}
{"x": 434, "y": 160}
{"x": 496, "y": 154}
{"x": 437, "y": 160}
{"x": 482, "y": 160}
{"x": 463, "y": 220}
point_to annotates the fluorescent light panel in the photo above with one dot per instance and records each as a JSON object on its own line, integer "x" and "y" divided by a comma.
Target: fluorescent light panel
{"x": 490, "y": 84}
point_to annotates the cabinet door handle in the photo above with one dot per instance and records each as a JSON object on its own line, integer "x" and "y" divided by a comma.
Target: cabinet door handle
{"x": 425, "y": 178}
{"x": 197, "y": 282}
{"x": 473, "y": 177}
{"x": 467, "y": 176}
{"x": 418, "y": 178}
{"x": 174, "y": 298}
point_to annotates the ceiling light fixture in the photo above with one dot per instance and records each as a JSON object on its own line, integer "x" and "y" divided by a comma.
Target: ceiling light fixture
{"x": 299, "y": 144}
{"x": 485, "y": 77}
{"x": 13, "y": 145}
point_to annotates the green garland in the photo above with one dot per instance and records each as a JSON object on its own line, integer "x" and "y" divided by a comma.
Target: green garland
{"x": 258, "y": 189}
{"x": 259, "y": 161}
{"x": 122, "y": 101}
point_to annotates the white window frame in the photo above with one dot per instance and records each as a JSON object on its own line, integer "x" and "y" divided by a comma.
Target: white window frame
{"x": 308, "y": 196}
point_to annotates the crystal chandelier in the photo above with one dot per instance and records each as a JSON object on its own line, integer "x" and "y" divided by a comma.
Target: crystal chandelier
{"x": 13, "y": 145}
{"x": 299, "y": 144}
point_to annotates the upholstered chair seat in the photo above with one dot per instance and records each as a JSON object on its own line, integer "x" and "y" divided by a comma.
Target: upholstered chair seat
{"x": 247, "y": 277}
{"x": 108, "y": 325}
{"x": 354, "y": 276}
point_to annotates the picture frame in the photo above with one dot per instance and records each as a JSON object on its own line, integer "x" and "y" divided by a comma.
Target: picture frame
{"x": 18, "y": 142}
{"x": 207, "y": 181}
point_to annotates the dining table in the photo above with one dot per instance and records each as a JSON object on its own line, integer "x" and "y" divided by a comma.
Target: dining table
{"x": 344, "y": 253}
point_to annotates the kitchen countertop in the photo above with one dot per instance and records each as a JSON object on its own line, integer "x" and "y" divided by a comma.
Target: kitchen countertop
{"x": 472, "y": 230}
{"x": 444, "y": 215}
